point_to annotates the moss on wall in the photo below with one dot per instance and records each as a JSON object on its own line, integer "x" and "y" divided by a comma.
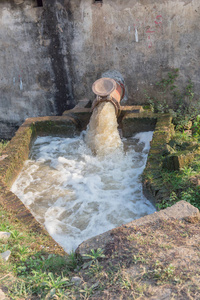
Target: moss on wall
{"x": 18, "y": 149}
{"x": 152, "y": 182}
{"x": 134, "y": 122}
{"x": 14, "y": 156}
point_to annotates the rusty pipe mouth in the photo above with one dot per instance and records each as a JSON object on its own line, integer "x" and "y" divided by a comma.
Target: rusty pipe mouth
{"x": 110, "y": 99}
{"x": 108, "y": 90}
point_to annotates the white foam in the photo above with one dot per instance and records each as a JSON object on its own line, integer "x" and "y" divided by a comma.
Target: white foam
{"x": 77, "y": 195}
{"x": 144, "y": 137}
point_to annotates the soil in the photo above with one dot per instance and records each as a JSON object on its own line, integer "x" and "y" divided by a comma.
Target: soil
{"x": 158, "y": 260}
{"x": 155, "y": 257}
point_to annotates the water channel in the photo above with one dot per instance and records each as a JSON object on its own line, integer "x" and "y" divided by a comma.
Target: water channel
{"x": 77, "y": 194}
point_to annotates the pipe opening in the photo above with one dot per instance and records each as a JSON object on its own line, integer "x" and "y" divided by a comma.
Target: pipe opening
{"x": 108, "y": 90}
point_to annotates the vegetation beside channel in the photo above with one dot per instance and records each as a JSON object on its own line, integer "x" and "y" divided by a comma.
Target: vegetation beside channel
{"x": 180, "y": 182}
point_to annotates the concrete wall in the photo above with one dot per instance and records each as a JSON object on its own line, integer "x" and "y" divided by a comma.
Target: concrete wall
{"x": 51, "y": 55}
{"x": 34, "y": 78}
{"x": 143, "y": 39}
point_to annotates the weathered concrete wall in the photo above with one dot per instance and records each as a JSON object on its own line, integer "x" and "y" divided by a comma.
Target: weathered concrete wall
{"x": 142, "y": 39}
{"x": 57, "y": 51}
{"x": 34, "y": 78}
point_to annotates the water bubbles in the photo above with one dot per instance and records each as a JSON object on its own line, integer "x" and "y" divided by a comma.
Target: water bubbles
{"x": 76, "y": 194}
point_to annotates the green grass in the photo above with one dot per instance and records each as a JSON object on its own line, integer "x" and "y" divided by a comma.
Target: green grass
{"x": 181, "y": 186}
{"x": 33, "y": 272}
{"x": 31, "y": 269}
{"x": 184, "y": 109}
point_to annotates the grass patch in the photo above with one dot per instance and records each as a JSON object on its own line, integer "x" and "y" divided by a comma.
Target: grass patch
{"x": 182, "y": 185}
{"x": 32, "y": 268}
{"x": 183, "y": 149}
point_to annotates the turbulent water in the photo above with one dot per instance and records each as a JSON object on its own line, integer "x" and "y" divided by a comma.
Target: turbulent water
{"x": 102, "y": 135}
{"x": 77, "y": 194}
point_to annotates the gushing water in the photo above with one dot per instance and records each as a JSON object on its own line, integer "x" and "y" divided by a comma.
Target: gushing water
{"x": 102, "y": 135}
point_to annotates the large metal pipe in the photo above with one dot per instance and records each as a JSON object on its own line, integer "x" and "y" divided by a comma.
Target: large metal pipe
{"x": 108, "y": 90}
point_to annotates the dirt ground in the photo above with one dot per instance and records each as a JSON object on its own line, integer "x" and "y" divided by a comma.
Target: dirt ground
{"x": 157, "y": 260}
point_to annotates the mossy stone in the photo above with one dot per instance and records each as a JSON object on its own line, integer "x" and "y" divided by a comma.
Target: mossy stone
{"x": 175, "y": 162}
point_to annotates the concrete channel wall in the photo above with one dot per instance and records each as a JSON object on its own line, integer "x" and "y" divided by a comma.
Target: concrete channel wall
{"x": 50, "y": 55}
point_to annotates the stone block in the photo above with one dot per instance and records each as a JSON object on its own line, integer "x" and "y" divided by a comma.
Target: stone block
{"x": 175, "y": 162}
